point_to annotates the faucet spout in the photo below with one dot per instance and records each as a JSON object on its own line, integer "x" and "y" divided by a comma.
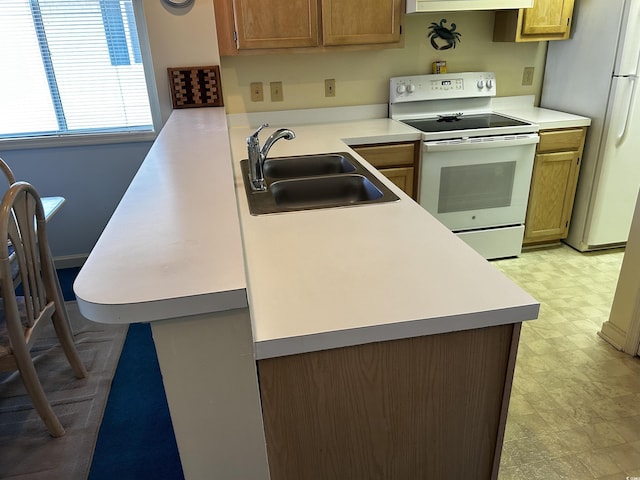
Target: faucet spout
{"x": 258, "y": 155}
{"x": 273, "y": 138}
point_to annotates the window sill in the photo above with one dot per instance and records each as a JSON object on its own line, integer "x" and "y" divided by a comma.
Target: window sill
{"x": 75, "y": 140}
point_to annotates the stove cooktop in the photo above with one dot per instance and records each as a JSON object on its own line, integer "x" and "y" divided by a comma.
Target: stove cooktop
{"x": 456, "y": 122}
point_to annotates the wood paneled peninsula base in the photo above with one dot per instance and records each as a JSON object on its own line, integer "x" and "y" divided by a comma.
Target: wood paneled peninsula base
{"x": 431, "y": 407}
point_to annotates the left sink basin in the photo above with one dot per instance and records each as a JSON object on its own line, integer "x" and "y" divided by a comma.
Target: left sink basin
{"x": 307, "y": 182}
{"x": 307, "y": 165}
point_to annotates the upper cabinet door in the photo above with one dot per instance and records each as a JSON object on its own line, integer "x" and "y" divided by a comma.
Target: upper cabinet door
{"x": 276, "y": 23}
{"x": 359, "y": 22}
{"x": 546, "y": 20}
{"x": 548, "y": 17}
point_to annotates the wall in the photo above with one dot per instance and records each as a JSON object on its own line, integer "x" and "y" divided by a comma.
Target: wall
{"x": 94, "y": 178}
{"x": 91, "y": 178}
{"x": 622, "y": 330}
{"x": 179, "y": 37}
{"x": 363, "y": 77}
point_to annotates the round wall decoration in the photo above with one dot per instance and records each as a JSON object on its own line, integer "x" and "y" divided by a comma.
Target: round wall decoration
{"x": 178, "y": 3}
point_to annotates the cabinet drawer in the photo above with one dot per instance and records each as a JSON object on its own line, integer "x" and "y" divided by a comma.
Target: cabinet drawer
{"x": 387, "y": 155}
{"x": 565, "y": 139}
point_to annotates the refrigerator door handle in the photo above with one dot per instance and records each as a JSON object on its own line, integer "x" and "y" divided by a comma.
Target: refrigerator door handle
{"x": 625, "y": 126}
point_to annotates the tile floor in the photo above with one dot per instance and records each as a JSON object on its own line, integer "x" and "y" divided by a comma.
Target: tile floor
{"x": 575, "y": 404}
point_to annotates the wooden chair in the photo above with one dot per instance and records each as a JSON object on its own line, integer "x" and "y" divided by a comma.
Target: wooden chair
{"x": 22, "y": 222}
{"x": 7, "y": 172}
{"x": 11, "y": 179}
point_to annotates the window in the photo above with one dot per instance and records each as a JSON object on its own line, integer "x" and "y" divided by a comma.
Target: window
{"x": 70, "y": 67}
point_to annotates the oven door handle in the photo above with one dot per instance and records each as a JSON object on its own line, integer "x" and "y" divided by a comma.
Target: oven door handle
{"x": 481, "y": 143}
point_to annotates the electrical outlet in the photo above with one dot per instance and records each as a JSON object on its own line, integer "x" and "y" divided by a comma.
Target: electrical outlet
{"x": 330, "y": 87}
{"x": 276, "y": 92}
{"x": 256, "y": 92}
{"x": 527, "y": 76}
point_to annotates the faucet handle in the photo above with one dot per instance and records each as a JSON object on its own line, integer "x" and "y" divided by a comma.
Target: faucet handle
{"x": 254, "y": 135}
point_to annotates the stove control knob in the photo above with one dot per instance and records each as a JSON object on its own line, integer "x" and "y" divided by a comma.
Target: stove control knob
{"x": 411, "y": 88}
{"x": 481, "y": 84}
{"x": 489, "y": 84}
{"x": 401, "y": 88}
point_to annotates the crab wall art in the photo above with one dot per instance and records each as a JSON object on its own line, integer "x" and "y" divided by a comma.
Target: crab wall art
{"x": 449, "y": 36}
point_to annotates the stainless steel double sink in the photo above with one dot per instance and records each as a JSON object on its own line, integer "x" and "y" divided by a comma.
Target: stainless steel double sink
{"x": 316, "y": 181}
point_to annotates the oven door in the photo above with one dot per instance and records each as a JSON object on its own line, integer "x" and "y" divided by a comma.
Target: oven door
{"x": 477, "y": 183}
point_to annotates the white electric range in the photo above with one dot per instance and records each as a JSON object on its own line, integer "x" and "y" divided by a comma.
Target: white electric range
{"x": 476, "y": 164}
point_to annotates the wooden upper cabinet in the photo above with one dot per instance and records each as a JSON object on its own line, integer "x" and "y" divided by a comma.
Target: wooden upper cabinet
{"x": 548, "y": 17}
{"x": 358, "y": 22}
{"x": 260, "y": 26}
{"x": 546, "y": 20}
{"x": 276, "y": 23}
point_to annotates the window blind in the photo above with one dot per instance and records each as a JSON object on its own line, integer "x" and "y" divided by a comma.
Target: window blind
{"x": 70, "y": 67}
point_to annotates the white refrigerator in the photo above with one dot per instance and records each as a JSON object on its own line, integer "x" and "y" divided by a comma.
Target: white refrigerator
{"x": 595, "y": 74}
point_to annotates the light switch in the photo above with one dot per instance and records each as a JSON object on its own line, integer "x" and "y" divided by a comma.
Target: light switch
{"x": 330, "y": 87}
{"x": 256, "y": 92}
{"x": 276, "y": 92}
{"x": 527, "y": 76}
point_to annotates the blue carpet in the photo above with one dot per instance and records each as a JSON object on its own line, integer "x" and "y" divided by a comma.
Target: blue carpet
{"x": 66, "y": 276}
{"x": 136, "y": 439}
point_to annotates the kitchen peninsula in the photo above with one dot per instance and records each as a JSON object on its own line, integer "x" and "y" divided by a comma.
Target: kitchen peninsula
{"x": 383, "y": 344}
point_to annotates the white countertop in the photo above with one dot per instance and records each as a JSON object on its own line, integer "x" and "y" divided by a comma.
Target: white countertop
{"x": 342, "y": 276}
{"x": 522, "y": 107}
{"x": 180, "y": 244}
{"x": 172, "y": 247}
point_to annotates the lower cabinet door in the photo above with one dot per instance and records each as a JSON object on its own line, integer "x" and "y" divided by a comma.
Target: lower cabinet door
{"x": 551, "y": 197}
{"x": 402, "y": 177}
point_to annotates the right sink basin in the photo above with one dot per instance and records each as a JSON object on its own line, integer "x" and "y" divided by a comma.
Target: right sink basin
{"x": 324, "y": 191}
{"x": 314, "y": 181}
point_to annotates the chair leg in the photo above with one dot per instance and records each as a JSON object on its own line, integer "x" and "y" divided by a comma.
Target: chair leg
{"x": 62, "y": 326}
{"x": 36, "y": 393}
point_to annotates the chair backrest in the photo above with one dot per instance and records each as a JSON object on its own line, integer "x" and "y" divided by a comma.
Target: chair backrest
{"x": 7, "y": 172}
{"x": 23, "y": 239}
{"x": 22, "y": 222}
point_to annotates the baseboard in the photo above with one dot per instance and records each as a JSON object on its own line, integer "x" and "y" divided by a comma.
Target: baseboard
{"x": 70, "y": 261}
{"x": 540, "y": 246}
{"x": 613, "y": 334}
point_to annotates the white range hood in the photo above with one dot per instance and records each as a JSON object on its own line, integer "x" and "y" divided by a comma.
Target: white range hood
{"x": 425, "y": 6}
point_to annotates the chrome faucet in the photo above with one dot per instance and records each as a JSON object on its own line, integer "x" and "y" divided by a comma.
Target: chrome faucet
{"x": 258, "y": 155}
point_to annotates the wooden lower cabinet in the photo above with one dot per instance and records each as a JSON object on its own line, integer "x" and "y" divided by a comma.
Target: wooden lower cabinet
{"x": 402, "y": 177}
{"x": 431, "y": 407}
{"x": 553, "y": 185}
{"x": 396, "y": 161}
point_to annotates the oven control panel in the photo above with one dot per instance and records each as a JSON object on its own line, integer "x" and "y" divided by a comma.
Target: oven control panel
{"x": 442, "y": 86}
{"x": 446, "y": 85}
